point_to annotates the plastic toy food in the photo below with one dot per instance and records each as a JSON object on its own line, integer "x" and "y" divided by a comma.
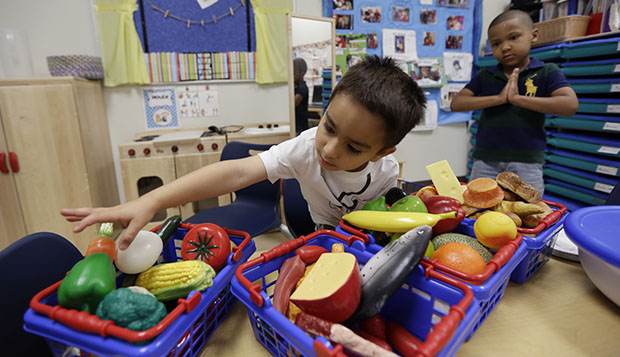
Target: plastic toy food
{"x": 141, "y": 254}
{"x": 409, "y": 203}
{"x": 483, "y": 192}
{"x": 386, "y": 271}
{"x": 394, "y": 221}
{"x": 332, "y": 289}
{"x": 291, "y": 271}
{"x": 170, "y": 281}
{"x": 131, "y": 310}
{"x": 460, "y": 257}
{"x": 495, "y": 229}
{"x": 441, "y": 204}
{"x": 207, "y": 242}
{"x": 104, "y": 243}
{"x": 87, "y": 283}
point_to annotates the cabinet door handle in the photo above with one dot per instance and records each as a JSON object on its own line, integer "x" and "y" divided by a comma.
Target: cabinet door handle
{"x": 13, "y": 161}
{"x": 3, "y": 167}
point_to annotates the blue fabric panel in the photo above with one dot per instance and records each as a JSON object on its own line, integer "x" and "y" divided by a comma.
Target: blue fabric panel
{"x": 169, "y": 35}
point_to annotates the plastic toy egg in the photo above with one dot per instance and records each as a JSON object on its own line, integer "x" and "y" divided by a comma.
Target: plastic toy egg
{"x": 495, "y": 229}
{"x": 141, "y": 254}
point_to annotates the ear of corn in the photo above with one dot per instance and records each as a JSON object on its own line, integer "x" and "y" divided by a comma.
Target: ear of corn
{"x": 170, "y": 281}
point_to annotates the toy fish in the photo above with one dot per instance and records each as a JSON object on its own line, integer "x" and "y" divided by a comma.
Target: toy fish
{"x": 386, "y": 271}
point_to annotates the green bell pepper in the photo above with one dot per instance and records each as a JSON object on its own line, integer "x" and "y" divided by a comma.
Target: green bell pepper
{"x": 409, "y": 203}
{"x": 87, "y": 283}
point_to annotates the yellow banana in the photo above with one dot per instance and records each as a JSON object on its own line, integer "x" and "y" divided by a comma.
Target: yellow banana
{"x": 396, "y": 222}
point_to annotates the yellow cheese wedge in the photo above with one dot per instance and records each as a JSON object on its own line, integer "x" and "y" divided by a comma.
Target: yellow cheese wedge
{"x": 444, "y": 180}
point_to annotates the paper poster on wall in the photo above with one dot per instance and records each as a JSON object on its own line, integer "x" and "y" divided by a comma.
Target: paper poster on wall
{"x": 354, "y": 51}
{"x": 448, "y": 92}
{"x": 458, "y": 66}
{"x": 197, "y": 101}
{"x": 400, "y": 44}
{"x": 160, "y": 108}
{"x": 464, "y": 4}
{"x": 429, "y": 122}
{"x": 428, "y": 72}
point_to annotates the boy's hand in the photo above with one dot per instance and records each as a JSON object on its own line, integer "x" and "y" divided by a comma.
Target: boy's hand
{"x": 132, "y": 215}
{"x": 513, "y": 86}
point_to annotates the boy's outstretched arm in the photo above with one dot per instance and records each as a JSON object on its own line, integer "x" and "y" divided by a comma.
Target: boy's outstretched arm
{"x": 563, "y": 101}
{"x": 210, "y": 181}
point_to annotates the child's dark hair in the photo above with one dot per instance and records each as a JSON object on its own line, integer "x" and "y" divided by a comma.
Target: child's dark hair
{"x": 508, "y": 15}
{"x": 300, "y": 66}
{"x": 384, "y": 89}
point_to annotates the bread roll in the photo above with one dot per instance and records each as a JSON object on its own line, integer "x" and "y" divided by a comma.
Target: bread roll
{"x": 513, "y": 183}
{"x": 532, "y": 220}
{"x": 483, "y": 192}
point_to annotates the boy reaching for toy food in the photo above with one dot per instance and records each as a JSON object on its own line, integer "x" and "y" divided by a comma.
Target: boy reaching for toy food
{"x": 341, "y": 165}
{"x": 514, "y": 97}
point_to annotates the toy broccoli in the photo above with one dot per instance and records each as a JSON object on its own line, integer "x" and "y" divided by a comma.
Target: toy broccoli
{"x": 131, "y": 310}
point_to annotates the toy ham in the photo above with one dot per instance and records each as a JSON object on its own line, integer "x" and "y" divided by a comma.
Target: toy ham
{"x": 291, "y": 271}
{"x": 386, "y": 271}
{"x": 338, "y": 333}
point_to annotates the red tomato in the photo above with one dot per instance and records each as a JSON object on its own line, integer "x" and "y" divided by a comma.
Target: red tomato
{"x": 207, "y": 242}
{"x": 102, "y": 245}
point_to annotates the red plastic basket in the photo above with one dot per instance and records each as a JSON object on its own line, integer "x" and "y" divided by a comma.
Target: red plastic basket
{"x": 183, "y": 332}
{"x": 434, "y": 307}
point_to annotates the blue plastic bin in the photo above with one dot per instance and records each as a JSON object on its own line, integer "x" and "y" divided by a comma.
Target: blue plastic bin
{"x": 185, "y": 336}
{"x": 421, "y": 305}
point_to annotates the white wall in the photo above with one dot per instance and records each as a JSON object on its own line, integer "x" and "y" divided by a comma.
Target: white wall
{"x": 62, "y": 27}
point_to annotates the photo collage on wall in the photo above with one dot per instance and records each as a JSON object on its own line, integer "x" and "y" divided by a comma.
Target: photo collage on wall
{"x": 430, "y": 39}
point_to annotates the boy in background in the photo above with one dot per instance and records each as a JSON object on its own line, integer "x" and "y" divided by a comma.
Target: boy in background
{"x": 301, "y": 95}
{"x": 341, "y": 165}
{"x": 514, "y": 97}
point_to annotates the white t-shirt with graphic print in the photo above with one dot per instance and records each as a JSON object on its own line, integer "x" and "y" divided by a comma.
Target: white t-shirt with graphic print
{"x": 330, "y": 194}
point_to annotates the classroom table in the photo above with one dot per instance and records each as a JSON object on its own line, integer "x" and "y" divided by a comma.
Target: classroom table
{"x": 556, "y": 312}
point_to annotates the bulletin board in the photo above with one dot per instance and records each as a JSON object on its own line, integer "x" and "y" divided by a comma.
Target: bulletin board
{"x": 435, "y": 41}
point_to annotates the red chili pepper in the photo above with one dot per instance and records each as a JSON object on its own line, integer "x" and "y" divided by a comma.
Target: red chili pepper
{"x": 441, "y": 204}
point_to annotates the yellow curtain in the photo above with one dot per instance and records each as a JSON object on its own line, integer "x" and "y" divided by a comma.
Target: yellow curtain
{"x": 271, "y": 40}
{"x": 123, "y": 58}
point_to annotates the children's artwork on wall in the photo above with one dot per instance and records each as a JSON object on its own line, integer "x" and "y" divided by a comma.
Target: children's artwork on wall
{"x": 455, "y": 22}
{"x": 458, "y": 66}
{"x": 372, "y": 41}
{"x": 343, "y": 4}
{"x": 429, "y": 39}
{"x": 454, "y": 3}
{"x": 428, "y": 72}
{"x": 429, "y": 122}
{"x": 354, "y": 52}
{"x": 197, "y": 101}
{"x": 454, "y": 42}
{"x": 428, "y": 17}
{"x": 400, "y": 14}
{"x": 400, "y": 44}
{"x": 160, "y": 108}
{"x": 371, "y": 14}
{"x": 344, "y": 22}
{"x": 448, "y": 92}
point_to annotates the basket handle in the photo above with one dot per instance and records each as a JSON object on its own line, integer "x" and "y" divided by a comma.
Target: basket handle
{"x": 444, "y": 329}
{"x": 83, "y": 321}
{"x": 356, "y": 232}
{"x": 500, "y": 258}
{"x": 279, "y": 251}
{"x": 238, "y": 250}
{"x": 548, "y": 221}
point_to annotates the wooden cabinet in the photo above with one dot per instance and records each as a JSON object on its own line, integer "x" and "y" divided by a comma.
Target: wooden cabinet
{"x": 55, "y": 146}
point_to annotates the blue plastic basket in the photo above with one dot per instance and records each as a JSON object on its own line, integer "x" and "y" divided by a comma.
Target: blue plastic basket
{"x": 198, "y": 315}
{"x": 539, "y": 240}
{"x": 434, "y": 307}
{"x": 489, "y": 287}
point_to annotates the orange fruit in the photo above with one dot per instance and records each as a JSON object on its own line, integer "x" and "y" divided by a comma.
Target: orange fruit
{"x": 495, "y": 229}
{"x": 461, "y": 257}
